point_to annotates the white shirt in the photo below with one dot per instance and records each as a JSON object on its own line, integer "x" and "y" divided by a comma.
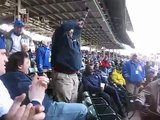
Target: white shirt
{"x": 16, "y": 43}
{"x": 5, "y": 100}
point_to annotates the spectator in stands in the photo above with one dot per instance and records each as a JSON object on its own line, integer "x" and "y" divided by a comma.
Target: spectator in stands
{"x": 43, "y": 57}
{"x": 66, "y": 60}
{"x": 158, "y": 75}
{"x": 150, "y": 76}
{"x": 94, "y": 57}
{"x": 154, "y": 66}
{"x": 16, "y": 40}
{"x": 13, "y": 111}
{"x": 151, "y": 96}
{"x": 97, "y": 84}
{"x": 117, "y": 76}
{"x": 105, "y": 64}
{"x": 147, "y": 67}
{"x": 134, "y": 74}
{"x": 99, "y": 69}
{"x": 17, "y": 82}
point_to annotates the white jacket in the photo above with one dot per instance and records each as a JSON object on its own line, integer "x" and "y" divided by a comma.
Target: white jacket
{"x": 5, "y": 100}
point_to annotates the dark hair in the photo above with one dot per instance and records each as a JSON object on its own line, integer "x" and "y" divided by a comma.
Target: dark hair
{"x": 16, "y": 59}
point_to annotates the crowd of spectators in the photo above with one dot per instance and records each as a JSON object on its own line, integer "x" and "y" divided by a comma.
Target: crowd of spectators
{"x": 102, "y": 74}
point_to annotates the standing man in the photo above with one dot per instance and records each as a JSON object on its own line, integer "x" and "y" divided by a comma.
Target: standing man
{"x": 134, "y": 74}
{"x": 66, "y": 60}
{"x": 43, "y": 54}
{"x": 16, "y": 40}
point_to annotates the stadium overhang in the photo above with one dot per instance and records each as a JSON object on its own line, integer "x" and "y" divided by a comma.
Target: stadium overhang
{"x": 46, "y": 15}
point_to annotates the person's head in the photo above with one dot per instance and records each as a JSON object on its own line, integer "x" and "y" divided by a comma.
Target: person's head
{"x": 18, "y": 61}
{"x": 3, "y": 57}
{"x": 96, "y": 65}
{"x": 89, "y": 69}
{"x": 105, "y": 57}
{"x": 151, "y": 73}
{"x": 80, "y": 23}
{"x": 134, "y": 58}
{"x": 93, "y": 53}
{"x": 148, "y": 63}
{"x": 18, "y": 27}
{"x": 153, "y": 64}
{"x": 118, "y": 68}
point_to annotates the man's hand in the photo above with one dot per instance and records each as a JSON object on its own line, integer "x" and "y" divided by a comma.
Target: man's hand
{"x": 102, "y": 85}
{"x": 36, "y": 113}
{"x": 81, "y": 24}
{"x": 38, "y": 87}
{"x": 24, "y": 112}
{"x": 15, "y": 106}
{"x": 102, "y": 89}
{"x": 25, "y": 47}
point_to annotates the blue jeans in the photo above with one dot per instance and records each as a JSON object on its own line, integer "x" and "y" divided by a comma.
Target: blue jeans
{"x": 66, "y": 111}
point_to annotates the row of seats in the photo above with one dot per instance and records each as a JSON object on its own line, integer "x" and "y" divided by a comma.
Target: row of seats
{"x": 98, "y": 108}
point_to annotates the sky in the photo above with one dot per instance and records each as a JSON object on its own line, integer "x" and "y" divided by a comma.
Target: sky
{"x": 145, "y": 18}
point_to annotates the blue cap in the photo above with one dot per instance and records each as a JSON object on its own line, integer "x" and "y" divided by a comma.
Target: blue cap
{"x": 2, "y": 44}
{"x": 19, "y": 23}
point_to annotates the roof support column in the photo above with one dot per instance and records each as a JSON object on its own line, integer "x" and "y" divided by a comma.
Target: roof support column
{"x": 18, "y": 9}
{"x": 109, "y": 54}
{"x": 90, "y": 50}
{"x": 116, "y": 54}
{"x": 104, "y": 52}
{"x": 113, "y": 54}
{"x": 97, "y": 47}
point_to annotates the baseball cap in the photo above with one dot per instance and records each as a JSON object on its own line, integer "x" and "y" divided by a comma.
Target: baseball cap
{"x": 19, "y": 23}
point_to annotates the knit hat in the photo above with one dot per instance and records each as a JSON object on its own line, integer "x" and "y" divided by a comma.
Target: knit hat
{"x": 2, "y": 44}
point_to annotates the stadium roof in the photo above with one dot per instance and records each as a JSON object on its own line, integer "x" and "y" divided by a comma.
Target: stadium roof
{"x": 100, "y": 25}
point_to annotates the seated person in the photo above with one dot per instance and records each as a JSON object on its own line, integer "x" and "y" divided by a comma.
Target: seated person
{"x": 92, "y": 82}
{"x": 119, "y": 84}
{"x": 105, "y": 64}
{"x": 117, "y": 77}
{"x": 99, "y": 69}
{"x": 150, "y": 95}
{"x": 17, "y": 82}
{"x": 149, "y": 76}
{"x": 10, "y": 110}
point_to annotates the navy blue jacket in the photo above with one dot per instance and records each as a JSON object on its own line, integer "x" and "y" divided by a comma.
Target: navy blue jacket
{"x": 43, "y": 55}
{"x": 92, "y": 82}
{"x": 66, "y": 52}
{"x": 18, "y": 83}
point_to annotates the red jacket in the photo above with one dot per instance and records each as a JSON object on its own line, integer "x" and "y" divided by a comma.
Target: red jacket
{"x": 105, "y": 64}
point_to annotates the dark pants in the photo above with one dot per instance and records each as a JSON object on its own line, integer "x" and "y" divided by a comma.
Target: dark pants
{"x": 114, "y": 94}
{"x": 105, "y": 96}
{"x": 109, "y": 100}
